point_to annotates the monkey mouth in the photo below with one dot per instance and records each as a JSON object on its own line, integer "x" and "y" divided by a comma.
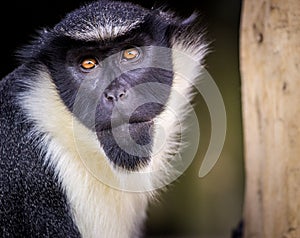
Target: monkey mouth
{"x": 127, "y": 139}
{"x": 128, "y": 145}
{"x": 122, "y": 124}
{"x": 139, "y": 131}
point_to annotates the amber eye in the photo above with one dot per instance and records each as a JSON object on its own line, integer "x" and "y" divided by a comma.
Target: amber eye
{"x": 88, "y": 63}
{"x": 130, "y": 54}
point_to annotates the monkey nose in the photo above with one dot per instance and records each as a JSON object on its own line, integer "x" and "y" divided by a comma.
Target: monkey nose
{"x": 112, "y": 96}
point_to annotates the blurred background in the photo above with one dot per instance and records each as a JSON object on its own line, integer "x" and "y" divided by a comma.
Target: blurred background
{"x": 192, "y": 207}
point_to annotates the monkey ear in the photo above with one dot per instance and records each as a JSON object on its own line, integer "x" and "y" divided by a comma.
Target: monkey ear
{"x": 190, "y": 20}
{"x": 186, "y": 29}
{"x": 190, "y": 34}
{"x": 164, "y": 24}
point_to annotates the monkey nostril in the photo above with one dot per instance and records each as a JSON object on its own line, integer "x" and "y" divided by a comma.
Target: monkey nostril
{"x": 109, "y": 97}
{"x": 122, "y": 95}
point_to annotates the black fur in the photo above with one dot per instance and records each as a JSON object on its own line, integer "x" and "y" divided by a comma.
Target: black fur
{"x": 32, "y": 203}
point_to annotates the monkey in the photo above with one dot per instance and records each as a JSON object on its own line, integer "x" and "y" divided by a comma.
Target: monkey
{"x": 89, "y": 120}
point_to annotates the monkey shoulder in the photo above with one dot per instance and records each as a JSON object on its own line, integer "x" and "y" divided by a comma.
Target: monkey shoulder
{"x": 32, "y": 201}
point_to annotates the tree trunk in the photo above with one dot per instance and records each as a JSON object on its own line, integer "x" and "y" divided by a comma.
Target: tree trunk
{"x": 270, "y": 70}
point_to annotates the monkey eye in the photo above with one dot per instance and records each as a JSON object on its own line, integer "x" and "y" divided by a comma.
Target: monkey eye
{"x": 130, "y": 54}
{"x": 88, "y": 63}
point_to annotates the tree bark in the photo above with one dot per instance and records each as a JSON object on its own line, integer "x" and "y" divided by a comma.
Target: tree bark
{"x": 270, "y": 70}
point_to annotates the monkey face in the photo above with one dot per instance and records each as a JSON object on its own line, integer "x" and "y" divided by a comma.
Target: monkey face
{"x": 118, "y": 95}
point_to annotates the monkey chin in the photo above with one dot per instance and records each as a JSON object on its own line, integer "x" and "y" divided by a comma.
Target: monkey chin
{"x": 128, "y": 145}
